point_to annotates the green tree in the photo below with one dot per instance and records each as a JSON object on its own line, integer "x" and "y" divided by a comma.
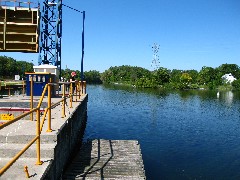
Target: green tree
{"x": 93, "y": 77}
{"x": 210, "y": 77}
{"x": 193, "y": 74}
{"x": 185, "y": 80}
{"x": 162, "y": 76}
{"x": 229, "y": 68}
{"x": 236, "y": 84}
{"x": 10, "y": 67}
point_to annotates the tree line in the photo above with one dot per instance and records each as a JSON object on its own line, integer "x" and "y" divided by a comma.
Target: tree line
{"x": 10, "y": 67}
{"x": 207, "y": 77}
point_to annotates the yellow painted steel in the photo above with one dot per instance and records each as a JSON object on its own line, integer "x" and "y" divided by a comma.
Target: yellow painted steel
{"x": 76, "y": 90}
{"x": 49, "y": 108}
{"x": 17, "y": 156}
{"x": 63, "y": 102}
{"x": 39, "y": 105}
{"x": 23, "y": 89}
{"x": 9, "y": 90}
{"x": 7, "y": 117}
{"x": 4, "y": 33}
{"x": 71, "y": 96}
{"x": 39, "y": 162}
{"x": 83, "y": 87}
{"x": 41, "y": 98}
{"x": 43, "y": 119}
{"x": 17, "y": 118}
{"x": 38, "y": 125}
{"x": 26, "y": 171}
{"x": 31, "y": 94}
{"x": 79, "y": 91}
{"x": 19, "y": 34}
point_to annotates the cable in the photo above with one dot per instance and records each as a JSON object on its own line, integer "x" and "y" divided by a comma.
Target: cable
{"x": 71, "y": 8}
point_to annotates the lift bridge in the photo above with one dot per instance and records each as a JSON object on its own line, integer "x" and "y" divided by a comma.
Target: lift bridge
{"x": 32, "y": 26}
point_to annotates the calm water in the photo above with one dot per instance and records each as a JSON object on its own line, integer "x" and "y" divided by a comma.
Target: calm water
{"x": 182, "y": 134}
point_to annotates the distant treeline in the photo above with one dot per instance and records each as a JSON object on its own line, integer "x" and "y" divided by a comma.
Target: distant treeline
{"x": 10, "y": 67}
{"x": 207, "y": 77}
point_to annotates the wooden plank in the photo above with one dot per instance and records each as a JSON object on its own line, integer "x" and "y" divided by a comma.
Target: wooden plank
{"x": 113, "y": 159}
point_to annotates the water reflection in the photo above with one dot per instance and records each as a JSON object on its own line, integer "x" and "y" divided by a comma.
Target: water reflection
{"x": 159, "y": 93}
{"x": 227, "y": 97}
{"x": 183, "y": 134}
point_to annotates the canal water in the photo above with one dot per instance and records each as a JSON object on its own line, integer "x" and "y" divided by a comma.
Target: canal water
{"x": 182, "y": 134}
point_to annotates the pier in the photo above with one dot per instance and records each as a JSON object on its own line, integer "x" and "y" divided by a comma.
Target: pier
{"x": 107, "y": 159}
{"x": 41, "y": 130}
{"x": 56, "y": 145}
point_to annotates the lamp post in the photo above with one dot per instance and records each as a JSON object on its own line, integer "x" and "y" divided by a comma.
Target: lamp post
{"x": 83, "y": 12}
{"x": 82, "y": 50}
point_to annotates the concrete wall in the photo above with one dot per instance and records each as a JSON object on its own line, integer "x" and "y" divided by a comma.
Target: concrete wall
{"x": 68, "y": 139}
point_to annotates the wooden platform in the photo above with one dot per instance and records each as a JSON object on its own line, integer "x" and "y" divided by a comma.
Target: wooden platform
{"x": 107, "y": 159}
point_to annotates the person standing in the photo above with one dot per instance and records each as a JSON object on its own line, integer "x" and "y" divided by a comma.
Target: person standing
{"x": 73, "y": 80}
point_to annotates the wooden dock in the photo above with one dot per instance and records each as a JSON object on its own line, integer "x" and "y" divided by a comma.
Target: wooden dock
{"x": 107, "y": 159}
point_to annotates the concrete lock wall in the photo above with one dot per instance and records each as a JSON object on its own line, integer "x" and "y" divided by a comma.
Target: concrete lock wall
{"x": 68, "y": 139}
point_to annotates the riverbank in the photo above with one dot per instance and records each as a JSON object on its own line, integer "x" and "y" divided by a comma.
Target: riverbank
{"x": 225, "y": 87}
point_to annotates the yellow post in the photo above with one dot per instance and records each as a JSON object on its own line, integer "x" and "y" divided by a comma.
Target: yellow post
{"x": 81, "y": 87}
{"x": 39, "y": 162}
{"x": 76, "y": 90}
{"x": 31, "y": 96}
{"x": 49, "y": 108}
{"x": 64, "y": 102}
{"x": 79, "y": 91}
{"x": 26, "y": 171}
{"x": 23, "y": 90}
{"x": 71, "y": 97}
{"x": 9, "y": 91}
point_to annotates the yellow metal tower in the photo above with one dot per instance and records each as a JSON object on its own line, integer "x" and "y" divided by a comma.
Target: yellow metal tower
{"x": 19, "y": 22}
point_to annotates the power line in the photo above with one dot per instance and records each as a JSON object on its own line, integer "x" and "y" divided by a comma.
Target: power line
{"x": 72, "y": 8}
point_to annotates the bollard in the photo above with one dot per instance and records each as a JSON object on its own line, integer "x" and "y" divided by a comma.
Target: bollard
{"x": 26, "y": 171}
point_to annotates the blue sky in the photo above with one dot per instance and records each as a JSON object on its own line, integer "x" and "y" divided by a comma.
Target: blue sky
{"x": 191, "y": 33}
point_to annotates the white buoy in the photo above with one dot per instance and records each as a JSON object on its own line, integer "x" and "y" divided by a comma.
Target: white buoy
{"x": 218, "y": 94}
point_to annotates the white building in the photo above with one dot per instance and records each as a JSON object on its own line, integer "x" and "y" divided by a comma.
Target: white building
{"x": 228, "y": 78}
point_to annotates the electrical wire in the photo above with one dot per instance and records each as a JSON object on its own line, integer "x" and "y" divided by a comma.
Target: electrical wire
{"x": 71, "y": 8}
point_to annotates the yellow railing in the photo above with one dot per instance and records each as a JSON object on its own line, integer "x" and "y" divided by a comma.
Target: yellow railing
{"x": 80, "y": 89}
{"x": 9, "y": 85}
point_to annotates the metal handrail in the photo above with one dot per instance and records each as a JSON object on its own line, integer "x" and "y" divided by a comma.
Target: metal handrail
{"x": 39, "y": 125}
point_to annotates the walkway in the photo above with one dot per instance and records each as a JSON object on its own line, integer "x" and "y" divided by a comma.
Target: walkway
{"x": 14, "y": 137}
{"x": 107, "y": 159}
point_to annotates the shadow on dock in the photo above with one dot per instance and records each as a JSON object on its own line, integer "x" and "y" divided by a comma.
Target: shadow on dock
{"x": 107, "y": 159}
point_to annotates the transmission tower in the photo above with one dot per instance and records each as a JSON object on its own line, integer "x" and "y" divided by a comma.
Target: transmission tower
{"x": 155, "y": 62}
